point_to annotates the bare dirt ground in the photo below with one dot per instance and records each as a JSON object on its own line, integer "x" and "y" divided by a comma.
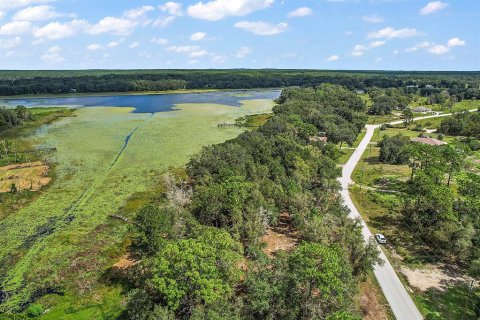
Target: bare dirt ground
{"x": 435, "y": 276}
{"x": 281, "y": 237}
{"x": 125, "y": 262}
{"x": 25, "y": 176}
{"x": 371, "y": 304}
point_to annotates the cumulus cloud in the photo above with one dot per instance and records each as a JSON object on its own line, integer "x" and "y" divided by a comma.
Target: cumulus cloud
{"x": 198, "y": 36}
{"x": 300, "y": 12}
{"x": 432, "y": 7}
{"x": 134, "y": 45}
{"x": 454, "y": 42}
{"x": 53, "y": 55}
{"x": 333, "y": 58}
{"x": 438, "y": 49}
{"x": 94, "y": 47}
{"x": 118, "y": 26}
{"x": 14, "y": 4}
{"x": 261, "y": 28}
{"x": 37, "y": 13}
{"x": 160, "y": 41}
{"x": 172, "y": 8}
{"x": 136, "y": 13}
{"x": 360, "y": 49}
{"x": 10, "y": 43}
{"x": 220, "y": 9}
{"x": 243, "y": 52}
{"x": 163, "y": 22}
{"x": 15, "y": 28}
{"x": 2, "y": 15}
{"x": 57, "y": 30}
{"x": 372, "y": 19}
{"x": 391, "y": 33}
{"x": 113, "y": 44}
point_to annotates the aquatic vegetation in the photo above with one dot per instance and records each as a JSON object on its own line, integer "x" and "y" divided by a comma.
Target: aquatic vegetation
{"x": 104, "y": 156}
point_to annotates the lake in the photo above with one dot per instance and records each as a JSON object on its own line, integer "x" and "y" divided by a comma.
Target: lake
{"x": 148, "y": 103}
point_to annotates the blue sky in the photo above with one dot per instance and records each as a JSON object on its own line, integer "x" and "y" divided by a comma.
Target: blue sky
{"x": 313, "y": 34}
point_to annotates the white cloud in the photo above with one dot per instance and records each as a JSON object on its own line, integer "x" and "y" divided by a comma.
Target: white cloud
{"x": 37, "y": 13}
{"x": 348, "y": 33}
{"x": 454, "y": 42}
{"x": 13, "y": 4}
{"x": 137, "y": 12}
{"x": 2, "y": 15}
{"x": 134, "y": 45}
{"x": 163, "y": 22}
{"x": 376, "y": 44}
{"x": 198, "y": 53}
{"x": 243, "y": 52}
{"x": 372, "y": 19}
{"x": 360, "y": 49}
{"x": 198, "y": 36}
{"x": 173, "y": 8}
{"x": 333, "y": 58}
{"x": 118, "y": 26}
{"x": 192, "y": 62}
{"x": 391, "y": 33}
{"x": 54, "y": 49}
{"x": 424, "y": 44}
{"x": 410, "y": 50}
{"x": 112, "y": 44}
{"x": 160, "y": 41}
{"x": 15, "y": 28}
{"x": 94, "y": 47}
{"x": 261, "y": 28}
{"x": 183, "y": 49}
{"x": 53, "y": 55}
{"x": 432, "y": 7}
{"x": 220, "y": 9}
{"x": 57, "y": 30}
{"x": 300, "y": 12}
{"x": 438, "y": 49}
{"x": 10, "y": 43}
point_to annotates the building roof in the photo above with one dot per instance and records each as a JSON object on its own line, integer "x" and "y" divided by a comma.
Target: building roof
{"x": 421, "y": 109}
{"x": 429, "y": 141}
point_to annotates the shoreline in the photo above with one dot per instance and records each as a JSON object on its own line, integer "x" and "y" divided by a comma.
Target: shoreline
{"x": 129, "y": 93}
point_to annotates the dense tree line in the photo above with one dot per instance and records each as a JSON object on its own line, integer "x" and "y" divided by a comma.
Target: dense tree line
{"x": 202, "y": 254}
{"x": 462, "y": 124}
{"x": 462, "y": 84}
{"x": 385, "y": 101}
{"x": 13, "y": 117}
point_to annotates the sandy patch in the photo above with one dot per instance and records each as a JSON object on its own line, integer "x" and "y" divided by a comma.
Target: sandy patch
{"x": 434, "y": 276}
{"x": 25, "y": 176}
{"x": 125, "y": 262}
{"x": 281, "y": 237}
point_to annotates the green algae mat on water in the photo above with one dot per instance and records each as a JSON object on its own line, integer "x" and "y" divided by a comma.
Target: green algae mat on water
{"x": 104, "y": 156}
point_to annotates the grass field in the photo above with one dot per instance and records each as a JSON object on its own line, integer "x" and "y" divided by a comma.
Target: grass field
{"x": 64, "y": 241}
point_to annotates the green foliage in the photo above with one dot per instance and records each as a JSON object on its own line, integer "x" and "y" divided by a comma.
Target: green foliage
{"x": 462, "y": 124}
{"x": 35, "y": 310}
{"x": 392, "y": 149}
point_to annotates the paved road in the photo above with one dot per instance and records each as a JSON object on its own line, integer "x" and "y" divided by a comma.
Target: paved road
{"x": 397, "y": 296}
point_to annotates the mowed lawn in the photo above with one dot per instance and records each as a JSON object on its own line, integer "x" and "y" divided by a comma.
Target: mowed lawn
{"x": 65, "y": 240}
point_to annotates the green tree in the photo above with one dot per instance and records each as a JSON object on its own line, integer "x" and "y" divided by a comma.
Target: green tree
{"x": 197, "y": 271}
{"x": 392, "y": 149}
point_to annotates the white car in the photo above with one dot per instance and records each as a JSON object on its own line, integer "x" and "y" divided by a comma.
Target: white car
{"x": 381, "y": 238}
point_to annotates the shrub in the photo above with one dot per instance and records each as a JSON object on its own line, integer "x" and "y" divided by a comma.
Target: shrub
{"x": 35, "y": 310}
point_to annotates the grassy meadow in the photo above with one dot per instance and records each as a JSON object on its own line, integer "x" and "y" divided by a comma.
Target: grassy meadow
{"x": 106, "y": 159}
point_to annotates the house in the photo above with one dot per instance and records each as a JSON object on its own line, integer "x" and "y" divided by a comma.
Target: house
{"x": 422, "y": 110}
{"x": 429, "y": 141}
{"x": 318, "y": 139}
{"x": 429, "y": 86}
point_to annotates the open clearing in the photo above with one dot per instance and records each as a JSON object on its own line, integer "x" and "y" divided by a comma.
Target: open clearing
{"x": 25, "y": 176}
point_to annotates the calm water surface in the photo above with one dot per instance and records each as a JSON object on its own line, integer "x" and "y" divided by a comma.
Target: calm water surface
{"x": 148, "y": 103}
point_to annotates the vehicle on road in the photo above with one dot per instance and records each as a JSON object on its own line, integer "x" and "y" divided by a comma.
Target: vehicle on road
{"x": 380, "y": 238}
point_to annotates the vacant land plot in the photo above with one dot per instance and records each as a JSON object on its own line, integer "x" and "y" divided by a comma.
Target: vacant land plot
{"x": 24, "y": 176}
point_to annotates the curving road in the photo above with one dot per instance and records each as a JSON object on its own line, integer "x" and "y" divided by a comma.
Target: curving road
{"x": 397, "y": 296}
